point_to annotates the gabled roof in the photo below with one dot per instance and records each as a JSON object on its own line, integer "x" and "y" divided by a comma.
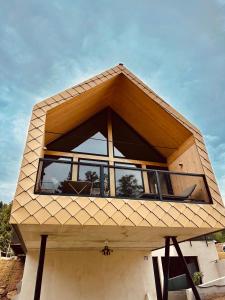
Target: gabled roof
{"x": 129, "y": 97}
{"x": 45, "y": 113}
{"x": 118, "y": 88}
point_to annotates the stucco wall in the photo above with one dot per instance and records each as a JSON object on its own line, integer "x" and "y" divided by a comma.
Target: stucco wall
{"x": 221, "y": 267}
{"x": 207, "y": 257}
{"x": 88, "y": 275}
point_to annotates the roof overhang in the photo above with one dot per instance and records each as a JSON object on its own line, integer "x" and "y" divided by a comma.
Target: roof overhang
{"x": 129, "y": 101}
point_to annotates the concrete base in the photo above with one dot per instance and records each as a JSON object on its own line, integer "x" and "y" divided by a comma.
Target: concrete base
{"x": 177, "y": 295}
{"x": 88, "y": 275}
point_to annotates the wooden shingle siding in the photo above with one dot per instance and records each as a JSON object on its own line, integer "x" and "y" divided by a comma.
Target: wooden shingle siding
{"x": 29, "y": 208}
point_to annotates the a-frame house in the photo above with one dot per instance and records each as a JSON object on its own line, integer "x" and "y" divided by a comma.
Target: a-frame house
{"x": 109, "y": 165}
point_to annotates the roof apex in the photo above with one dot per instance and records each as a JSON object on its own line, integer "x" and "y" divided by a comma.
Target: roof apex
{"x": 109, "y": 74}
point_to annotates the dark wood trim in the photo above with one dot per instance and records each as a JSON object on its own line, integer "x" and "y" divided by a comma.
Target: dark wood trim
{"x": 102, "y": 186}
{"x": 158, "y": 186}
{"x": 167, "y": 268}
{"x": 157, "y": 277}
{"x": 37, "y": 292}
{"x": 207, "y": 189}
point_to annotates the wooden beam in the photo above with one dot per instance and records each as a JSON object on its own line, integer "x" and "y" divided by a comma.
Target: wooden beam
{"x": 167, "y": 268}
{"x": 110, "y": 153}
{"x": 145, "y": 179}
{"x": 105, "y": 158}
{"x": 37, "y": 292}
{"x": 194, "y": 289}
{"x": 157, "y": 277}
{"x": 177, "y": 153}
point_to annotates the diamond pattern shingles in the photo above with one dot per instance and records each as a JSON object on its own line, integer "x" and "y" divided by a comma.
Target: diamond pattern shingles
{"x": 29, "y": 208}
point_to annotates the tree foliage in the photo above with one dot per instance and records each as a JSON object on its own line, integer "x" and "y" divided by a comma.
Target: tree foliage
{"x": 219, "y": 236}
{"x": 128, "y": 186}
{"x": 5, "y": 227}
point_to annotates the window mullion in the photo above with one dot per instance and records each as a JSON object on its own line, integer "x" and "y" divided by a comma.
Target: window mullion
{"x": 110, "y": 153}
{"x": 145, "y": 179}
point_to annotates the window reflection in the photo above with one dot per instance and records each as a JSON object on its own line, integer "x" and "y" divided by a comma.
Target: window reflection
{"x": 54, "y": 174}
{"x": 128, "y": 143}
{"x": 90, "y": 137}
{"x": 96, "y": 144}
{"x": 164, "y": 180}
{"x": 91, "y": 173}
{"x": 128, "y": 182}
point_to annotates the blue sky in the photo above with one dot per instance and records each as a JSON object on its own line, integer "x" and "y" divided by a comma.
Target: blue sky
{"x": 176, "y": 47}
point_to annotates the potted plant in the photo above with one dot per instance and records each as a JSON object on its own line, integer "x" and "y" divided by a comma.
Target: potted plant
{"x": 197, "y": 277}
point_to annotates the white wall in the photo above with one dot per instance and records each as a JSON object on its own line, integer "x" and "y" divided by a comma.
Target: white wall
{"x": 88, "y": 275}
{"x": 221, "y": 267}
{"x": 207, "y": 257}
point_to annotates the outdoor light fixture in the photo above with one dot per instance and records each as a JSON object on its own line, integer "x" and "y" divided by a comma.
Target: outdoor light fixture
{"x": 106, "y": 250}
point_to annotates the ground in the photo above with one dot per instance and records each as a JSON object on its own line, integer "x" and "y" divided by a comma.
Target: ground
{"x": 217, "y": 298}
{"x": 10, "y": 275}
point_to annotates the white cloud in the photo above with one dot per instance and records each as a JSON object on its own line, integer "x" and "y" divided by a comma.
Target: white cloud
{"x": 7, "y": 190}
{"x": 20, "y": 124}
{"x": 222, "y": 186}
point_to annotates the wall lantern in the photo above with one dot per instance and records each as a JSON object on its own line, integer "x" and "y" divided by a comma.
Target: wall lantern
{"x": 106, "y": 251}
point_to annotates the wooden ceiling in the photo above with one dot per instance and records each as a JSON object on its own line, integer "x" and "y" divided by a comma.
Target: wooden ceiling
{"x": 92, "y": 237}
{"x": 141, "y": 112}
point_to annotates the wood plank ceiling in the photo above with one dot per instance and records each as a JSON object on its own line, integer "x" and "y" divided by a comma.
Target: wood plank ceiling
{"x": 141, "y": 112}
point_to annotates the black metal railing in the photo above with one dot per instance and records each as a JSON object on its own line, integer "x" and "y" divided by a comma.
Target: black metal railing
{"x": 64, "y": 177}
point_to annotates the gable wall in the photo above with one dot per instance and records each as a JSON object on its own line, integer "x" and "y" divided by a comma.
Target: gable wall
{"x": 36, "y": 209}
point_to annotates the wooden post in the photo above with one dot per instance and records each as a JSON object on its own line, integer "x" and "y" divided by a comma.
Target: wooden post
{"x": 145, "y": 179}
{"x": 167, "y": 268}
{"x": 157, "y": 277}
{"x": 75, "y": 169}
{"x": 41, "y": 261}
{"x": 194, "y": 289}
{"x": 111, "y": 157}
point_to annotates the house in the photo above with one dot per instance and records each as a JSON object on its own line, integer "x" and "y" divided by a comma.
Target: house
{"x": 201, "y": 256}
{"x": 110, "y": 172}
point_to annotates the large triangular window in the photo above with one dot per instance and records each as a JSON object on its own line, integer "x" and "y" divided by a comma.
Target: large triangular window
{"x": 127, "y": 143}
{"x": 89, "y": 138}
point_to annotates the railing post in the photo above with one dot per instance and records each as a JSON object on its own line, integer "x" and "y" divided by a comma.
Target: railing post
{"x": 158, "y": 185}
{"x": 102, "y": 182}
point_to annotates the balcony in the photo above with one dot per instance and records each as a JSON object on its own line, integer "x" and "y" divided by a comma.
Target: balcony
{"x": 84, "y": 178}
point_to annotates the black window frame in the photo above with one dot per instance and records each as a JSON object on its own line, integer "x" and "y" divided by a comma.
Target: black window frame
{"x": 102, "y": 112}
{"x": 124, "y": 163}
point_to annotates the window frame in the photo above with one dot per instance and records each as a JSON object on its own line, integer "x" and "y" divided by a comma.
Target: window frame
{"x": 142, "y": 177}
{"x": 109, "y": 158}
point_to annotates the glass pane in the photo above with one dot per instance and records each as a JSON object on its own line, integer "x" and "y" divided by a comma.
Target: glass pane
{"x": 90, "y": 137}
{"x": 129, "y": 144}
{"x": 97, "y": 144}
{"x": 129, "y": 183}
{"x": 164, "y": 179}
{"x": 186, "y": 188}
{"x": 177, "y": 275}
{"x": 91, "y": 174}
{"x": 54, "y": 174}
